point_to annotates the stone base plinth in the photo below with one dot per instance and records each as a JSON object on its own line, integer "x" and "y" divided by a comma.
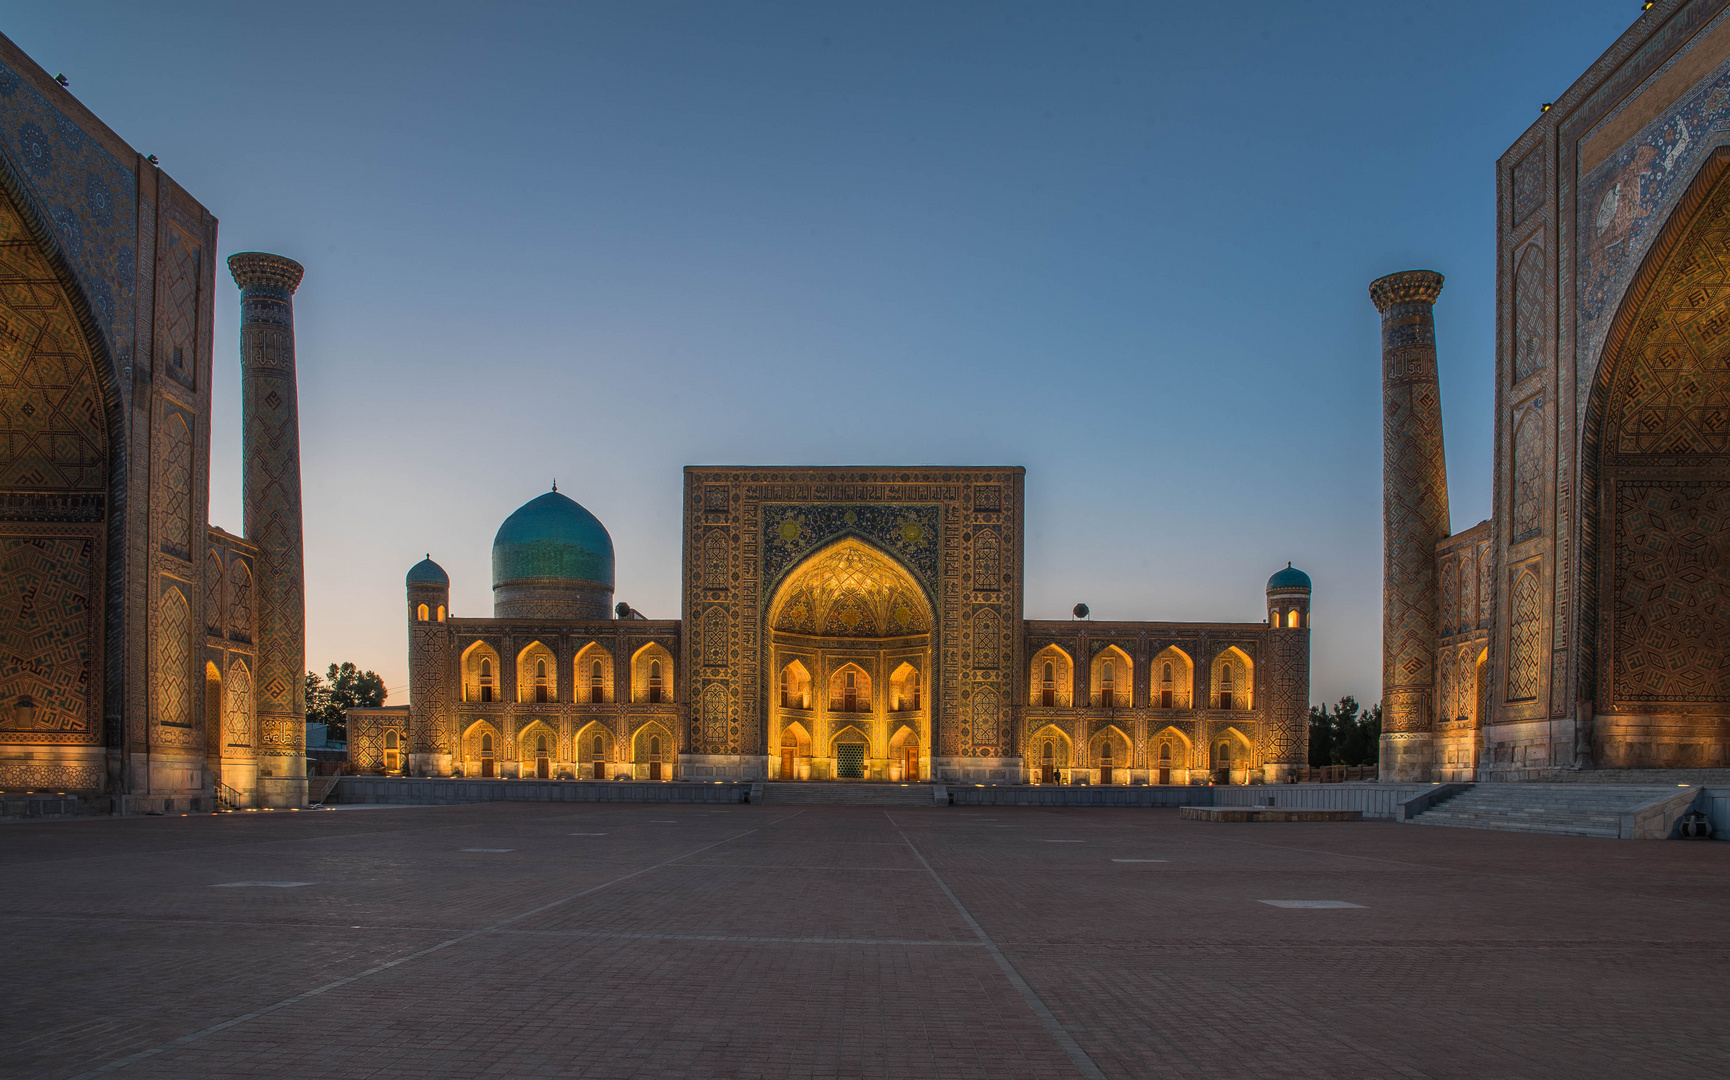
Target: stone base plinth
{"x": 1407, "y": 757}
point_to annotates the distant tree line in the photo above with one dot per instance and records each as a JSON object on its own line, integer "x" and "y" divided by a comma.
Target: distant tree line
{"x": 329, "y": 697}
{"x": 1348, "y": 734}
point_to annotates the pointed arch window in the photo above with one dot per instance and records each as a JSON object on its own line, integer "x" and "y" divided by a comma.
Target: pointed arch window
{"x": 541, "y": 681}
{"x": 421, "y": 613}
{"x": 850, "y": 694}
{"x": 1166, "y": 689}
{"x": 486, "y": 679}
{"x": 1048, "y": 686}
{"x": 1107, "y": 686}
{"x": 654, "y": 682}
{"x": 597, "y": 683}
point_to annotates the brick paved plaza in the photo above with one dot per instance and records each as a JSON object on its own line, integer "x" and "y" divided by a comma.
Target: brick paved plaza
{"x": 741, "y": 941}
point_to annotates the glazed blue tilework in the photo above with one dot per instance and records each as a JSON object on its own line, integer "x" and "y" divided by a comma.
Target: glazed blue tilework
{"x": 88, "y": 197}
{"x": 909, "y": 530}
{"x": 1626, "y": 200}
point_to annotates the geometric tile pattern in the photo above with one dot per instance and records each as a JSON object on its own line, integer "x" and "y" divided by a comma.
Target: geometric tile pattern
{"x": 87, "y": 198}
{"x": 239, "y": 602}
{"x": 851, "y": 591}
{"x": 1524, "y": 636}
{"x": 180, "y": 260}
{"x": 237, "y": 705}
{"x": 1670, "y": 592}
{"x": 1529, "y": 184}
{"x": 272, "y": 492}
{"x": 173, "y": 661}
{"x": 1414, "y": 495}
{"x": 1664, "y": 440}
{"x": 948, "y": 533}
{"x": 52, "y": 436}
{"x": 1528, "y": 472}
{"x": 174, "y": 485}
{"x": 48, "y": 593}
{"x": 213, "y": 593}
{"x": 1531, "y": 333}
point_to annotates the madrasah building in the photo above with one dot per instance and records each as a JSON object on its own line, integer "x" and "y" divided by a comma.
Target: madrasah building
{"x": 847, "y": 623}
{"x": 867, "y": 622}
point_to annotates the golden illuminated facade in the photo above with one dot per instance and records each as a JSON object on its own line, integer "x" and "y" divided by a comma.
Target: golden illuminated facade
{"x": 838, "y": 624}
{"x": 1586, "y": 625}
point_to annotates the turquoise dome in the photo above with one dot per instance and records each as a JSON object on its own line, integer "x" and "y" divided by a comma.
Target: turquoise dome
{"x": 427, "y": 572}
{"x": 1289, "y": 578}
{"x": 551, "y": 538}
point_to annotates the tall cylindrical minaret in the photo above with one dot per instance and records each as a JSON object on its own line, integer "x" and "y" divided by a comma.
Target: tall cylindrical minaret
{"x": 271, "y": 463}
{"x": 1288, "y": 616}
{"x": 1414, "y": 517}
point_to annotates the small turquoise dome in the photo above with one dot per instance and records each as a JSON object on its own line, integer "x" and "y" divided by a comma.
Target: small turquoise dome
{"x": 1288, "y": 579}
{"x": 427, "y": 572}
{"x": 551, "y": 538}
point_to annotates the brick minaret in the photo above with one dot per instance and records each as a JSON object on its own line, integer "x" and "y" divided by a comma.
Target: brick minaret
{"x": 1414, "y": 517}
{"x": 271, "y": 464}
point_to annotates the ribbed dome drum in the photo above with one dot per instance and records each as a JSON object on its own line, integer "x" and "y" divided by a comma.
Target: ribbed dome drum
{"x": 552, "y": 560}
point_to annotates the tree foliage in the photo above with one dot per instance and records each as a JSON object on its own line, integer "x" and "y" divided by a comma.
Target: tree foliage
{"x": 345, "y": 687}
{"x": 1348, "y": 734}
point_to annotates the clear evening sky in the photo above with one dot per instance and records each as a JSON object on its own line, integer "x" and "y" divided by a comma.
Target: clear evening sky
{"x": 1124, "y": 245}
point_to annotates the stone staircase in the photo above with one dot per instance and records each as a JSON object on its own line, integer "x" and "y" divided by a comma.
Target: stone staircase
{"x": 1562, "y": 809}
{"x": 858, "y": 793}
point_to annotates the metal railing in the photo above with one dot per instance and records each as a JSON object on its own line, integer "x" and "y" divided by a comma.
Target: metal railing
{"x": 226, "y": 797}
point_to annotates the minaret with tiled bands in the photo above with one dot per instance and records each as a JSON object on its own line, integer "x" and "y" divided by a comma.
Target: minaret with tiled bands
{"x": 271, "y": 463}
{"x": 1414, "y": 517}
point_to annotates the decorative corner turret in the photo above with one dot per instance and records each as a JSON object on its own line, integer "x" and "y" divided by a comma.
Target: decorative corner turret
{"x": 1288, "y": 616}
{"x": 431, "y": 727}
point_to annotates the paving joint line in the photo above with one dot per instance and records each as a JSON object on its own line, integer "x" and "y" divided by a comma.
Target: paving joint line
{"x": 1072, "y": 1049}
{"x": 184, "y": 1040}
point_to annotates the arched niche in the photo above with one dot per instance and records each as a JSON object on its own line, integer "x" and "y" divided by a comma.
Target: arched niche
{"x": 654, "y": 753}
{"x": 483, "y": 754}
{"x": 480, "y": 670}
{"x": 1170, "y": 755}
{"x": 1111, "y": 679}
{"x": 1233, "y": 680}
{"x": 1111, "y": 755}
{"x": 795, "y": 685}
{"x": 592, "y": 675}
{"x": 652, "y": 675}
{"x": 594, "y": 749}
{"x": 1051, "y": 679}
{"x": 1171, "y": 680}
{"x": 537, "y": 675}
{"x": 1048, "y": 755}
{"x": 538, "y": 750}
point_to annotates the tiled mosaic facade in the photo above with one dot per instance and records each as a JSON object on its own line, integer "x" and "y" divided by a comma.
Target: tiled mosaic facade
{"x": 126, "y": 623}
{"x": 849, "y": 623}
{"x": 1599, "y": 640}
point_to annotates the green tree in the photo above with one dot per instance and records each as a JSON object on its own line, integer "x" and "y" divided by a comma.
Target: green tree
{"x": 344, "y": 687}
{"x": 1346, "y": 734}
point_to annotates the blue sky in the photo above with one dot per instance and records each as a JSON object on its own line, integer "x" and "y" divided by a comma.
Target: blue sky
{"x": 1124, "y": 245}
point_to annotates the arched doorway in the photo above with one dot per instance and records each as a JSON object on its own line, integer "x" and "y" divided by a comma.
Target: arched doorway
{"x": 1655, "y": 608}
{"x": 1049, "y": 748}
{"x": 849, "y": 633}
